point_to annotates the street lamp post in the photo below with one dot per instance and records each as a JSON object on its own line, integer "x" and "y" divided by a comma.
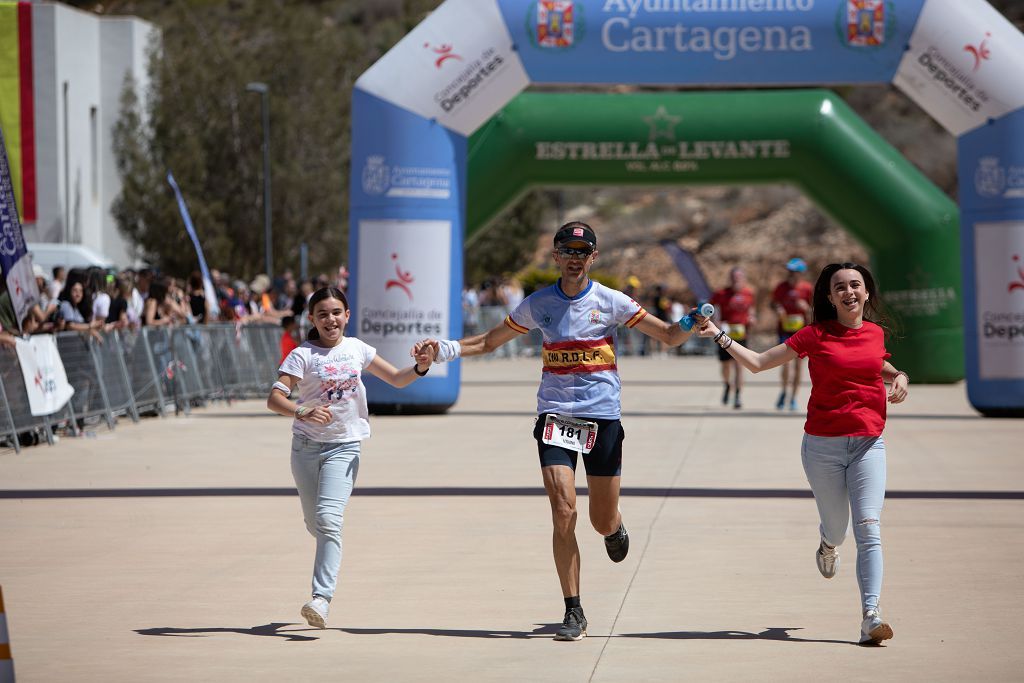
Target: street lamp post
{"x": 264, "y": 92}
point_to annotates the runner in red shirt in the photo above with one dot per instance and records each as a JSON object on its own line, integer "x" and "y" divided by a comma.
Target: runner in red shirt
{"x": 843, "y": 451}
{"x": 792, "y": 303}
{"x": 734, "y": 308}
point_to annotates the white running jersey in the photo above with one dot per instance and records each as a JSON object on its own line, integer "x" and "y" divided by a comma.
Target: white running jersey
{"x": 580, "y": 376}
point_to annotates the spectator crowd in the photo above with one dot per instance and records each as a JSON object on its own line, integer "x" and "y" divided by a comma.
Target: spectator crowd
{"x": 92, "y": 300}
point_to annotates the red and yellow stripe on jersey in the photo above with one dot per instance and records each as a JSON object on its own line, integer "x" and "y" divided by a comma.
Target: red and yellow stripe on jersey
{"x": 578, "y": 356}
{"x": 640, "y": 315}
{"x": 514, "y": 325}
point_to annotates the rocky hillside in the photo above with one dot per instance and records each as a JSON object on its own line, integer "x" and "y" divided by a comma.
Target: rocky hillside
{"x": 756, "y": 227}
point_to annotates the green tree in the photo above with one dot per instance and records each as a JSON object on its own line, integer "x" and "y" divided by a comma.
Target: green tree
{"x": 202, "y": 125}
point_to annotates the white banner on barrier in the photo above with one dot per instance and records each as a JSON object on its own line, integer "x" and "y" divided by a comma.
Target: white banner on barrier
{"x": 964, "y": 64}
{"x": 404, "y": 279}
{"x": 457, "y": 66}
{"x": 999, "y": 273}
{"x": 45, "y": 381}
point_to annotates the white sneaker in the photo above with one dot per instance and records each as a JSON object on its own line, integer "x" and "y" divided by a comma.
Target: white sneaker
{"x": 315, "y": 612}
{"x": 874, "y": 629}
{"x": 827, "y": 559}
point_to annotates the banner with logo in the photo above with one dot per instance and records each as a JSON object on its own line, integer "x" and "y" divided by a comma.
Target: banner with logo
{"x": 999, "y": 273}
{"x": 15, "y": 262}
{"x": 710, "y": 41}
{"x": 414, "y": 163}
{"x": 404, "y": 271}
{"x": 43, "y": 370}
{"x": 458, "y": 67}
{"x": 208, "y": 291}
{"x": 964, "y": 64}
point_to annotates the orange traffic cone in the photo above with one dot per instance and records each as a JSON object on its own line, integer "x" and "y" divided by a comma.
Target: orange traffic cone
{"x": 6, "y": 663}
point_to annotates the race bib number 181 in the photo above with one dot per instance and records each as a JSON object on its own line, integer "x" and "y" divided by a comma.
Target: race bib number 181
{"x": 574, "y": 435}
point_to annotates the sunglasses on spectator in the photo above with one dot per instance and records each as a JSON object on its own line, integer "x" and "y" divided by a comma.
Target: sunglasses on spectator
{"x": 570, "y": 252}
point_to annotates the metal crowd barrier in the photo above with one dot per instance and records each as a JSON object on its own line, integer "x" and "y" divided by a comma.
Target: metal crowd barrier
{"x": 146, "y": 371}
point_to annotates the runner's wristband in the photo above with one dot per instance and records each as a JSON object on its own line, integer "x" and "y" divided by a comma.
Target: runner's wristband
{"x": 416, "y": 369}
{"x": 301, "y": 411}
{"x": 447, "y": 350}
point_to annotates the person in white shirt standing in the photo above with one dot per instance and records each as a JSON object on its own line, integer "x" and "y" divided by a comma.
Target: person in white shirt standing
{"x": 331, "y": 419}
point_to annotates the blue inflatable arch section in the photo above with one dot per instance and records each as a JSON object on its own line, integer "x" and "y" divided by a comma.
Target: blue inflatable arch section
{"x": 414, "y": 110}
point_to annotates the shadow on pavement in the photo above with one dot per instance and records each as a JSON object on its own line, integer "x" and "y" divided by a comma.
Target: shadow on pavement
{"x": 271, "y": 629}
{"x": 542, "y": 630}
{"x": 771, "y": 633}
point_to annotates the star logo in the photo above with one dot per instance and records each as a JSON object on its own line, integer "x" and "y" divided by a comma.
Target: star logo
{"x": 919, "y": 278}
{"x": 662, "y": 125}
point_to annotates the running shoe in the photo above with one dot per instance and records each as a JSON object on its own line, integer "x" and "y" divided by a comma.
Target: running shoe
{"x": 315, "y": 612}
{"x": 725, "y": 396}
{"x": 737, "y": 404}
{"x": 781, "y": 403}
{"x": 827, "y": 559}
{"x": 617, "y": 543}
{"x": 792, "y": 404}
{"x": 574, "y": 626}
{"x": 873, "y": 630}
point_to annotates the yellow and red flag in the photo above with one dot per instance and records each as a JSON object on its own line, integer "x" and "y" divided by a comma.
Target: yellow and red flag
{"x": 17, "y": 103}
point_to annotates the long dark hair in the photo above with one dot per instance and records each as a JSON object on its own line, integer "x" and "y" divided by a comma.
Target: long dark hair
{"x": 874, "y": 308}
{"x": 77, "y": 276}
{"x": 318, "y": 296}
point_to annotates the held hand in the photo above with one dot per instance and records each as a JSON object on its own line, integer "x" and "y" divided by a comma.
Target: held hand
{"x": 418, "y": 347}
{"x": 425, "y": 355}
{"x": 707, "y": 328}
{"x": 898, "y": 390}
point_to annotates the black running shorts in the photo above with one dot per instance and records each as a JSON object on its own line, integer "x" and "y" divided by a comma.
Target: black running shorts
{"x": 603, "y": 460}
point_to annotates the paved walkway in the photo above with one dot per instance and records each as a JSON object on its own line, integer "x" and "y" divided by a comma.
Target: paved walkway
{"x": 173, "y": 550}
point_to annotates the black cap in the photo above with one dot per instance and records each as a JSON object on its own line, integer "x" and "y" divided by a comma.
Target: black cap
{"x": 575, "y": 232}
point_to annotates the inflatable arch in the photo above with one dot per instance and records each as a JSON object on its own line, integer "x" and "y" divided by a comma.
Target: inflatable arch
{"x": 443, "y": 140}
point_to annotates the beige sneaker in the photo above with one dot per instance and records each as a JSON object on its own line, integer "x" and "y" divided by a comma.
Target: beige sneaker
{"x": 873, "y": 630}
{"x": 315, "y": 612}
{"x": 827, "y": 559}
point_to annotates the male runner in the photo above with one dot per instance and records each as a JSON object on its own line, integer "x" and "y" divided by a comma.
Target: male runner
{"x": 578, "y": 399}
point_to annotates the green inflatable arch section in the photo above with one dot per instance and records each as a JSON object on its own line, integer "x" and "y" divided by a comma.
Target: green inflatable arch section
{"x": 809, "y": 138}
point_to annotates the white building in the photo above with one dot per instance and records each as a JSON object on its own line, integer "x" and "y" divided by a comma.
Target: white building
{"x": 80, "y": 61}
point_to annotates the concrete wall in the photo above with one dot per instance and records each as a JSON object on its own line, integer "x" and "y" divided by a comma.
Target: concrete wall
{"x": 80, "y": 62}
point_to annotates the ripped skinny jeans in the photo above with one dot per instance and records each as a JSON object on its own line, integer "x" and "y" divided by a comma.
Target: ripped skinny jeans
{"x": 847, "y": 474}
{"x": 325, "y": 474}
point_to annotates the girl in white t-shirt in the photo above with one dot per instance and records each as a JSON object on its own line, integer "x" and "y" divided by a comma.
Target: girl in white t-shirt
{"x": 324, "y": 377}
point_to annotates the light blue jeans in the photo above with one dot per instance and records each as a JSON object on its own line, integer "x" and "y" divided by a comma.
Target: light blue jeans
{"x": 324, "y": 475}
{"x": 847, "y": 474}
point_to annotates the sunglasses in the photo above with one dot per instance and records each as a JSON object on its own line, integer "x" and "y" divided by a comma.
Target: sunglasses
{"x": 570, "y": 252}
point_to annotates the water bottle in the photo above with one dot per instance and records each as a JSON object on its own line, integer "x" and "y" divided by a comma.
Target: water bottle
{"x": 690, "y": 319}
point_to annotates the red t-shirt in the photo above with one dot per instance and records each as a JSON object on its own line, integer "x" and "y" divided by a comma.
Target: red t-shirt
{"x": 845, "y": 364}
{"x": 789, "y": 297}
{"x": 734, "y": 306}
{"x": 287, "y": 344}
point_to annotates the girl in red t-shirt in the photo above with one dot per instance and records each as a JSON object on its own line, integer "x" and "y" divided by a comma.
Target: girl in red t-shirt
{"x": 843, "y": 451}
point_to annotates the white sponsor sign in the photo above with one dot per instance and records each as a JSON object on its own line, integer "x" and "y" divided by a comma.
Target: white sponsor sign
{"x": 404, "y": 281}
{"x": 999, "y": 273}
{"x": 43, "y": 370}
{"x": 457, "y": 66}
{"x": 21, "y": 284}
{"x": 964, "y": 64}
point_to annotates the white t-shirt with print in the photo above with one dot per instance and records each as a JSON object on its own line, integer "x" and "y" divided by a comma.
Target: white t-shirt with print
{"x": 331, "y": 377}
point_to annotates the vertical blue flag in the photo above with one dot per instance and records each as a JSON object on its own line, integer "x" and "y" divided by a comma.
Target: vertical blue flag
{"x": 211, "y": 293}
{"x": 15, "y": 262}
{"x": 687, "y": 266}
